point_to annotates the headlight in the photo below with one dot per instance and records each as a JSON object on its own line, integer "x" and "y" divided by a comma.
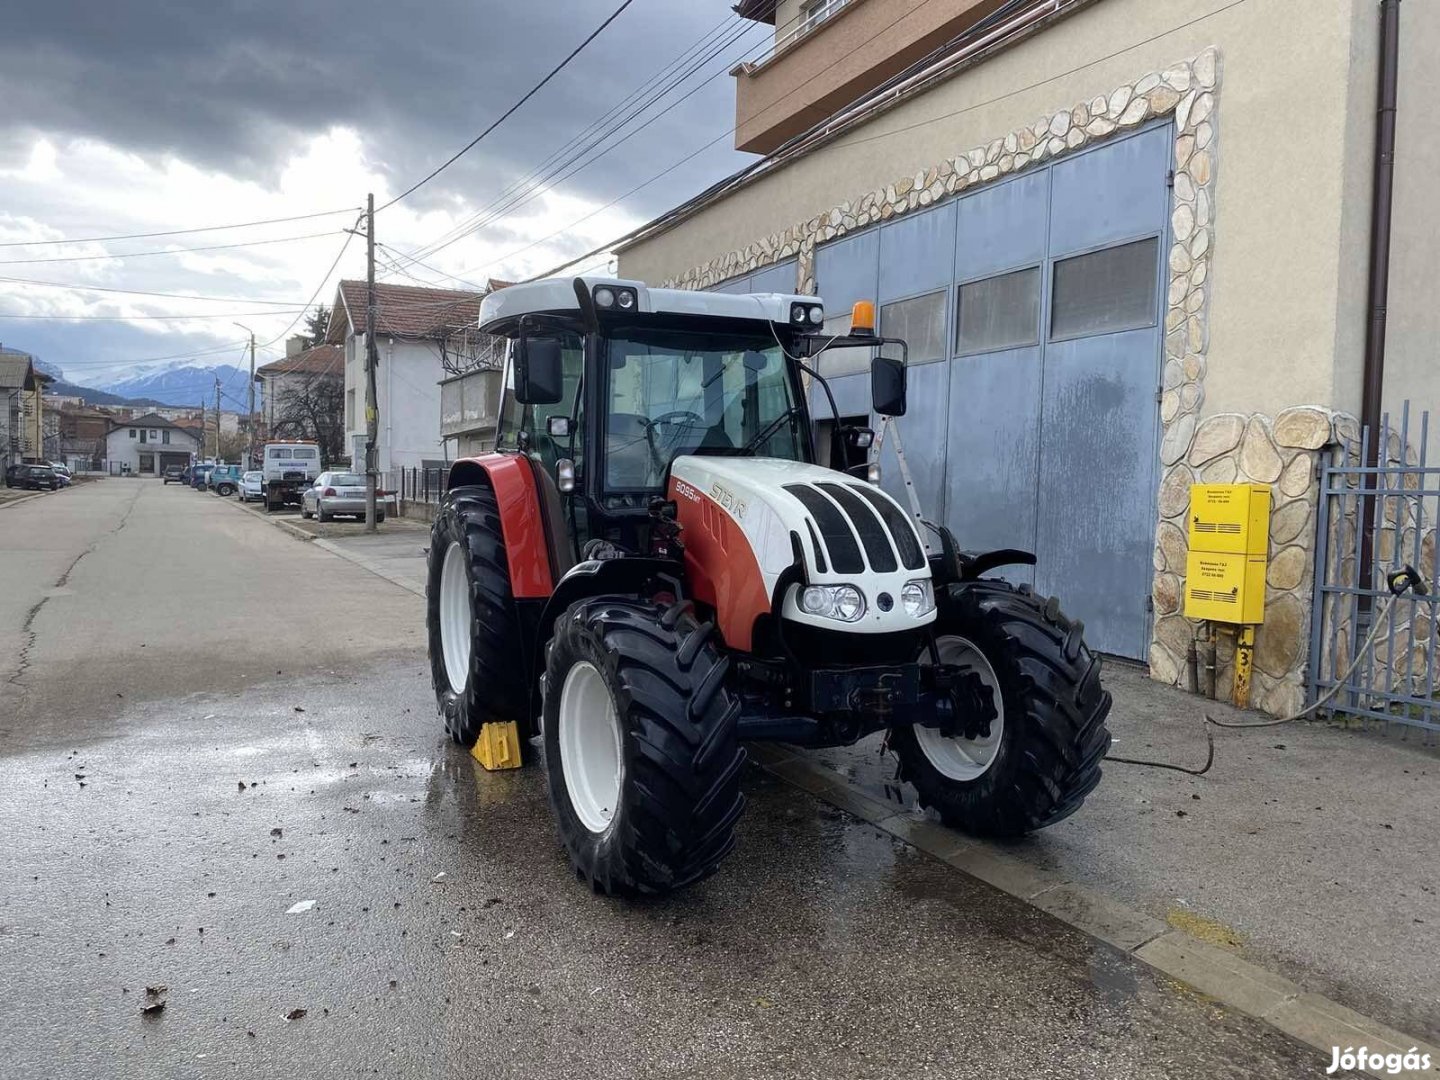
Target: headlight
{"x": 604, "y": 297}
{"x": 797, "y": 314}
{"x": 843, "y": 602}
{"x": 918, "y": 598}
{"x": 817, "y": 315}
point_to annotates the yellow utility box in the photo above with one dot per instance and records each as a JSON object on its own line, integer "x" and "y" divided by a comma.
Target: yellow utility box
{"x": 1229, "y": 534}
{"x": 1230, "y": 517}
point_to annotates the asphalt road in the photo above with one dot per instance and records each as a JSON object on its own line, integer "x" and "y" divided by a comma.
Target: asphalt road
{"x": 206, "y": 722}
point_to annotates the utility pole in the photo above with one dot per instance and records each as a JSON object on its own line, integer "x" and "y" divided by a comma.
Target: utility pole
{"x": 217, "y": 421}
{"x": 372, "y": 356}
{"x": 250, "y": 461}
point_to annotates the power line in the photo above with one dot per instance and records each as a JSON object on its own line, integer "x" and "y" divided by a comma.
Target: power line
{"x": 349, "y": 234}
{"x": 181, "y": 232}
{"x": 559, "y": 156}
{"x": 508, "y": 112}
{"x": 136, "y": 318}
{"x": 140, "y": 292}
{"x": 169, "y": 251}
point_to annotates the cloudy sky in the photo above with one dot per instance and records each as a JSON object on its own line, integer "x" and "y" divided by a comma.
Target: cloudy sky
{"x": 144, "y": 117}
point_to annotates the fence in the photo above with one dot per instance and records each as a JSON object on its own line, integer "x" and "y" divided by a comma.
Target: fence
{"x": 1396, "y": 683}
{"x": 416, "y": 484}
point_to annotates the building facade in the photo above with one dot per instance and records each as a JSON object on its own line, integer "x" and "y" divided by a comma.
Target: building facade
{"x": 422, "y": 335}
{"x": 147, "y": 446}
{"x": 1128, "y": 243}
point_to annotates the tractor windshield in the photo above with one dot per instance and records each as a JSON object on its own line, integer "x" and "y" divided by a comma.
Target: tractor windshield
{"x": 674, "y": 392}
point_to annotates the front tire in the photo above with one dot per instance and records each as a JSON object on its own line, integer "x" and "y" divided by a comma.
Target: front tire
{"x": 476, "y": 665}
{"x": 641, "y": 747}
{"x": 1047, "y": 739}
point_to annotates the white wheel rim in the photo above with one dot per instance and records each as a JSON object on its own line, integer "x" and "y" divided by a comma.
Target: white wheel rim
{"x": 590, "y": 754}
{"x": 455, "y": 617}
{"x": 964, "y": 759}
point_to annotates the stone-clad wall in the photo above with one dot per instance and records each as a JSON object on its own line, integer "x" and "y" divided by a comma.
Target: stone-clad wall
{"x": 1279, "y": 451}
{"x": 1228, "y": 448}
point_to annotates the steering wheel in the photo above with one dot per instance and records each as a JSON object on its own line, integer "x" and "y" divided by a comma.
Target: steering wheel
{"x": 675, "y": 416}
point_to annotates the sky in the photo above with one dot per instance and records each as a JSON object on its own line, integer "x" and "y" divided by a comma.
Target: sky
{"x": 146, "y": 117}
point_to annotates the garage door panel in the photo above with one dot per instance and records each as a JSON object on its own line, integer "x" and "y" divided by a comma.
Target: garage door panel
{"x": 1002, "y": 227}
{"x": 779, "y": 278}
{"x": 1109, "y": 194}
{"x": 917, "y": 253}
{"x": 1097, "y": 484}
{"x": 846, "y": 270}
{"x": 993, "y": 451}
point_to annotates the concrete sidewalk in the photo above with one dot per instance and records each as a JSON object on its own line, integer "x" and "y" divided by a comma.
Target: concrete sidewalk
{"x": 1307, "y": 850}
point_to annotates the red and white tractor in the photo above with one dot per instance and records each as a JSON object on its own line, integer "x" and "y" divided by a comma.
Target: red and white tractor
{"x": 651, "y": 569}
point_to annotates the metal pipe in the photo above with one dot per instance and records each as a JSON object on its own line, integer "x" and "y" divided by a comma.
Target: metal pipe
{"x": 1381, "y": 213}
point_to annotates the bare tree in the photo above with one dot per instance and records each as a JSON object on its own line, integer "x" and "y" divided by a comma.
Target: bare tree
{"x": 312, "y": 406}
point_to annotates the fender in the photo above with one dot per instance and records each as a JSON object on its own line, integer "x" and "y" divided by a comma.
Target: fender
{"x": 512, "y": 478}
{"x": 596, "y": 577}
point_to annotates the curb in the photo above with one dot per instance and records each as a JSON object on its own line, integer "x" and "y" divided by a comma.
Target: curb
{"x": 25, "y": 498}
{"x": 335, "y": 549}
{"x": 1224, "y": 977}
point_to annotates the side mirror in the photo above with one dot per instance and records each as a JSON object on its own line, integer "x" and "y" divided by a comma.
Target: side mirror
{"x": 887, "y": 386}
{"x": 558, "y": 427}
{"x": 539, "y": 375}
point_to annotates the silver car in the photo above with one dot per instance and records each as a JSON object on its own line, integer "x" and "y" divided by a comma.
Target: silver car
{"x": 337, "y": 493}
{"x": 252, "y": 486}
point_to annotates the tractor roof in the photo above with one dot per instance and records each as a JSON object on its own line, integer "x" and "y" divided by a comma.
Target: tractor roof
{"x": 558, "y": 295}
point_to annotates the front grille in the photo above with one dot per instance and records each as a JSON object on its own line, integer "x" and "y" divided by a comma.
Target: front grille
{"x": 912, "y": 556}
{"x": 846, "y": 513}
{"x": 878, "y": 549}
{"x": 834, "y": 529}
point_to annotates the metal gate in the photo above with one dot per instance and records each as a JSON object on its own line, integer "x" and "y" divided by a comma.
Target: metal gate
{"x": 1400, "y": 499}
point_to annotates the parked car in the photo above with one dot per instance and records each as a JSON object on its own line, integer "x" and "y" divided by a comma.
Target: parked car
{"x": 38, "y": 478}
{"x": 200, "y": 477}
{"x": 174, "y": 474}
{"x": 63, "y": 472}
{"x": 224, "y": 479}
{"x": 338, "y": 493}
{"x": 12, "y": 474}
{"x": 252, "y": 486}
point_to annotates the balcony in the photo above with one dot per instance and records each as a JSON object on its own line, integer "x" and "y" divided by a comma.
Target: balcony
{"x": 835, "y": 52}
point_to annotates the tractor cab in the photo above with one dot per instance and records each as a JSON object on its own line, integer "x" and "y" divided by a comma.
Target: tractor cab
{"x": 652, "y": 568}
{"x": 608, "y": 382}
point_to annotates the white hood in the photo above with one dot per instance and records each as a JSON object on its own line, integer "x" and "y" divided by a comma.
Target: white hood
{"x": 850, "y": 532}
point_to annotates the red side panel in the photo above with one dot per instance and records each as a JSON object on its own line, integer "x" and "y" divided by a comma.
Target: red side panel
{"x": 520, "y": 522}
{"x": 720, "y": 564}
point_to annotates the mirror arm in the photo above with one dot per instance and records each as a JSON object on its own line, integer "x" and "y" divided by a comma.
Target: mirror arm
{"x": 836, "y": 443}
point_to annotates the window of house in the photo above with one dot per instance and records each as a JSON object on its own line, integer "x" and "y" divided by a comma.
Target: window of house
{"x": 165, "y": 436}
{"x": 133, "y": 433}
{"x": 1106, "y": 291}
{"x": 814, "y": 12}
{"x": 920, "y": 321}
{"x": 153, "y": 434}
{"x": 1001, "y": 312}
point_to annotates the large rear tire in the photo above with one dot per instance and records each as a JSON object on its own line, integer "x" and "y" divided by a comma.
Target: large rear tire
{"x": 476, "y": 665}
{"x": 641, "y": 747}
{"x": 1042, "y": 754}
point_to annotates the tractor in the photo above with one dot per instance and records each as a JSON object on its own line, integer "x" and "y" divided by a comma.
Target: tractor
{"x": 652, "y": 569}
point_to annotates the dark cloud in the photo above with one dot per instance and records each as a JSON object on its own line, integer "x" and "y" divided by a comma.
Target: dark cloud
{"x": 238, "y": 86}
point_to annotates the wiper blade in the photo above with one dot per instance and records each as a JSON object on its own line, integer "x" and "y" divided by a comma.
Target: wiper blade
{"x": 769, "y": 429}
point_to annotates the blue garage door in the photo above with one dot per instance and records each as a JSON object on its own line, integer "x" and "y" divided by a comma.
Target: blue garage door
{"x": 1032, "y": 309}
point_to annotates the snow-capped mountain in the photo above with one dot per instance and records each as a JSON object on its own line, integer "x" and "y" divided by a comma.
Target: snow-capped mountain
{"x": 184, "y": 384}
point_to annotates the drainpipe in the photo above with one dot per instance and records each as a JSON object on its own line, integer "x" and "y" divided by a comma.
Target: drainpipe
{"x": 1381, "y": 211}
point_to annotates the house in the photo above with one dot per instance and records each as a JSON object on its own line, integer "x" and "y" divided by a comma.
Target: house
{"x": 148, "y": 445}
{"x": 303, "y": 396}
{"x": 421, "y": 335}
{"x": 1129, "y": 243}
{"x": 18, "y": 380}
{"x": 83, "y": 431}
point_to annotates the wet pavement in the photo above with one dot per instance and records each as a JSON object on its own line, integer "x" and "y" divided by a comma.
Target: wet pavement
{"x": 160, "y": 837}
